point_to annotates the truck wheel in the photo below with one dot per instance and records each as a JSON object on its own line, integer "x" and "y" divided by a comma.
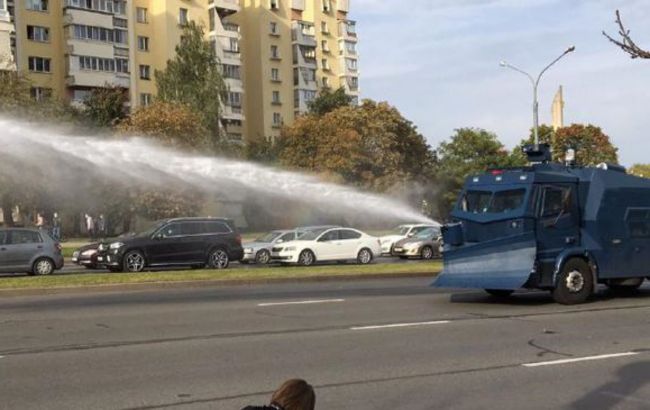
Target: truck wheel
{"x": 574, "y": 284}
{"x": 499, "y": 293}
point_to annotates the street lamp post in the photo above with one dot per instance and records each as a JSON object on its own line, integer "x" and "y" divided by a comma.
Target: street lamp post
{"x": 535, "y": 83}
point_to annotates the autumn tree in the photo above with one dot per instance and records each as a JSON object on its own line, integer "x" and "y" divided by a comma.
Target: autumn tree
{"x": 640, "y": 170}
{"x": 193, "y": 78}
{"x": 106, "y": 106}
{"x": 469, "y": 151}
{"x": 172, "y": 124}
{"x": 328, "y": 101}
{"x": 371, "y": 146}
{"x": 625, "y": 42}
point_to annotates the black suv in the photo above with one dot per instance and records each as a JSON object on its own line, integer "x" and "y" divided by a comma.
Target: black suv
{"x": 196, "y": 242}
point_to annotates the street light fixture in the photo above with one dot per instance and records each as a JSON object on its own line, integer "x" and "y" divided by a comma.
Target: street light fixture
{"x": 535, "y": 82}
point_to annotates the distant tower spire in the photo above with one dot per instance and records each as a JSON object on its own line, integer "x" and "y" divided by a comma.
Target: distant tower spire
{"x": 557, "y": 110}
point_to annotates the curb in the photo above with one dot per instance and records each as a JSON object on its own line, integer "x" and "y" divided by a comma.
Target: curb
{"x": 153, "y": 286}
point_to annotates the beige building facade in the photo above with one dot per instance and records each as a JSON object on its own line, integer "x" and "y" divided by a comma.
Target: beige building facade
{"x": 275, "y": 55}
{"x": 7, "y": 34}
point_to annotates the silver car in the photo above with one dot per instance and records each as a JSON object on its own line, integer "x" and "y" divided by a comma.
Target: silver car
{"x": 426, "y": 244}
{"x": 29, "y": 250}
{"x": 259, "y": 251}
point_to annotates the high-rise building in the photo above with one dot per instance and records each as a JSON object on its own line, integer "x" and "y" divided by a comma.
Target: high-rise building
{"x": 275, "y": 55}
{"x": 291, "y": 49}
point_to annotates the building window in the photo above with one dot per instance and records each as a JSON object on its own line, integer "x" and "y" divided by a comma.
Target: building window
{"x": 325, "y": 46}
{"x": 274, "y": 4}
{"x": 37, "y": 5}
{"x": 324, "y": 28}
{"x": 326, "y": 82}
{"x": 97, "y": 64}
{"x": 141, "y": 15}
{"x": 325, "y": 64}
{"x": 182, "y": 16}
{"x": 327, "y": 6}
{"x": 353, "y": 83}
{"x": 234, "y": 99}
{"x": 275, "y": 74}
{"x": 231, "y": 71}
{"x": 145, "y": 99}
{"x": 273, "y": 27}
{"x": 275, "y": 54}
{"x": 277, "y": 119}
{"x": 39, "y": 64}
{"x": 2, "y": 5}
{"x": 37, "y": 33}
{"x": 351, "y": 64}
{"x": 122, "y": 65}
{"x": 234, "y": 45}
{"x": 145, "y": 72}
{"x": 212, "y": 19}
{"x": 40, "y": 93}
{"x": 276, "y": 97}
{"x": 349, "y": 46}
{"x": 98, "y": 34}
{"x": 143, "y": 43}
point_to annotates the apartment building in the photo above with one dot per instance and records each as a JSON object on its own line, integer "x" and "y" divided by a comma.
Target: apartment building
{"x": 275, "y": 55}
{"x": 290, "y": 50}
{"x": 6, "y": 34}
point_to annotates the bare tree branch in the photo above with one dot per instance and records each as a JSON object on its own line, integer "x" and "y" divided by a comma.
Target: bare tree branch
{"x": 626, "y": 43}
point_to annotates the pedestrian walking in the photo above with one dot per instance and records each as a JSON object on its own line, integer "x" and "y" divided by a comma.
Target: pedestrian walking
{"x": 101, "y": 226}
{"x": 40, "y": 220}
{"x": 294, "y": 394}
{"x": 90, "y": 226}
{"x": 56, "y": 226}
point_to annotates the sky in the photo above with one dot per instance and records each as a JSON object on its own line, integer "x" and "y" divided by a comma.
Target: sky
{"x": 437, "y": 61}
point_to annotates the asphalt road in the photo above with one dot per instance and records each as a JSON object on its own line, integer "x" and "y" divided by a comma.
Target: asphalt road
{"x": 380, "y": 344}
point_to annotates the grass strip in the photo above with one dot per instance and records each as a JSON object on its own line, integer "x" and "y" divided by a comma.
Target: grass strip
{"x": 244, "y": 274}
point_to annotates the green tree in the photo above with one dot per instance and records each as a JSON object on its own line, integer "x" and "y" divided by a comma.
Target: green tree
{"x": 106, "y": 106}
{"x": 194, "y": 78}
{"x": 592, "y": 146}
{"x": 172, "y": 124}
{"x": 469, "y": 151}
{"x": 371, "y": 146}
{"x": 640, "y": 170}
{"x": 328, "y": 101}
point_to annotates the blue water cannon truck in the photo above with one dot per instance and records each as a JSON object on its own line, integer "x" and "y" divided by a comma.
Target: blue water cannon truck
{"x": 549, "y": 226}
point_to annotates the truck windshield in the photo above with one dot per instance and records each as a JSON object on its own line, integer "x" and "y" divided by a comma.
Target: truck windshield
{"x": 479, "y": 202}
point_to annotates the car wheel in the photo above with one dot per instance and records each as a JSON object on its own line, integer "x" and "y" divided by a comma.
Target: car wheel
{"x": 499, "y": 293}
{"x": 134, "y": 261}
{"x": 427, "y": 253}
{"x": 43, "y": 266}
{"x": 218, "y": 259}
{"x": 365, "y": 256}
{"x": 574, "y": 284}
{"x": 263, "y": 257}
{"x": 306, "y": 258}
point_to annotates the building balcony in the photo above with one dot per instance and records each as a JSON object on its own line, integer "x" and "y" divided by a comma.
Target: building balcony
{"x": 303, "y": 34}
{"x": 302, "y": 59}
{"x": 343, "y": 6}
{"x": 81, "y": 78}
{"x": 298, "y": 5}
{"x": 232, "y": 113}
{"x": 87, "y": 17}
{"x": 347, "y": 30}
{"x": 225, "y": 5}
{"x": 348, "y": 66}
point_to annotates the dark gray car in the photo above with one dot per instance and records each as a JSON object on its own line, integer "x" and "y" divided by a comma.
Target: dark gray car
{"x": 29, "y": 250}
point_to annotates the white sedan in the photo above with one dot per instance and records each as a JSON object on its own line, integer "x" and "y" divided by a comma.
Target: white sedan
{"x": 402, "y": 232}
{"x": 329, "y": 244}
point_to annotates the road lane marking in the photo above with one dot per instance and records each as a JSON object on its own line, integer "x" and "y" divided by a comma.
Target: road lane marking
{"x": 435, "y": 322}
{"x": 579, "y": 359}
{"x": 301, "y": 302}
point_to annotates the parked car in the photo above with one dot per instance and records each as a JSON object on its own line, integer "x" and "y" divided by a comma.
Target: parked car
{"x": 426, "y": 244}
{"x": 195, "y": 242}
{"x": 259, "y": 251}
{"x": 87, "y": 256}
{"x": 328, "y": 244}
{"x": 29, "y": 250}
{"x": 402, "y": 232}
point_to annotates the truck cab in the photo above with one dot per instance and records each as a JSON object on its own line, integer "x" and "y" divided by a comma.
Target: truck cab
{"x": 546, "y": 226}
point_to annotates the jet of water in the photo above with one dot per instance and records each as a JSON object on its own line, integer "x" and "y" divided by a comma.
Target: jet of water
{"x": 141, "y": 161}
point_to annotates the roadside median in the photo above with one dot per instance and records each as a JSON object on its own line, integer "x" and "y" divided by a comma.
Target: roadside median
{"x": 62, "y": 283}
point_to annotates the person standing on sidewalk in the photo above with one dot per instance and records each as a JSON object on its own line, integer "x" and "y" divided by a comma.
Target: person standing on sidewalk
{"x": 90, "y": 226}
{"x": 56, "y": 226}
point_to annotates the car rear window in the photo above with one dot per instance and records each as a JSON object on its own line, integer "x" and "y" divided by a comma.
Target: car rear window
{"x": 349, "y": 234}
{"x": 23, "y": 237}
{"x": 3, "y": 237}
{"x": 216, "y": 227}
